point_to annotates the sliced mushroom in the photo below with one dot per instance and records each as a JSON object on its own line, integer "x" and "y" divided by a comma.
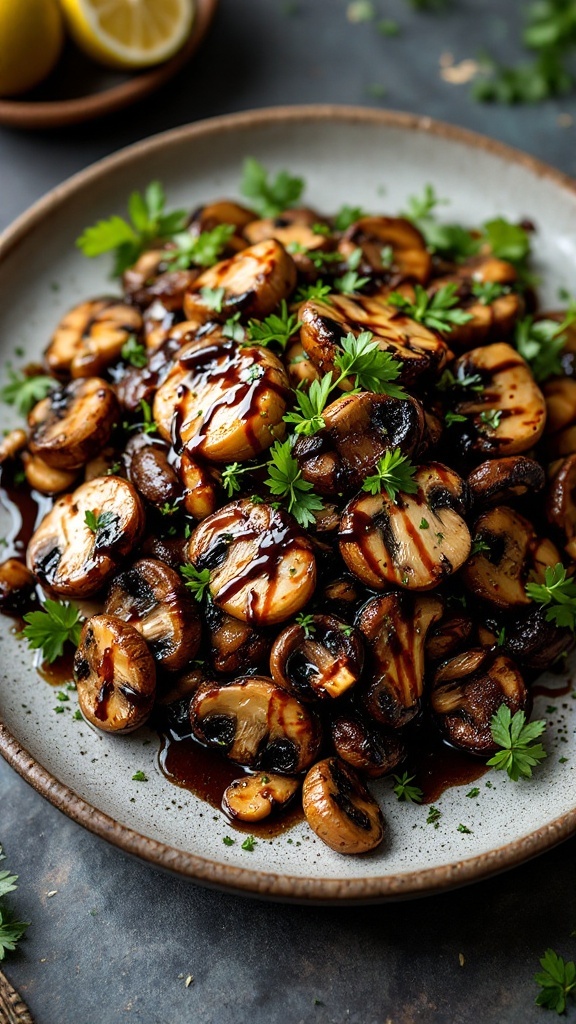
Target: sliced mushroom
{"x": 73, "y": 424}
{"x": 153, "y": 599}
{"x": 171, "y": 550}
{"x": 488, "y": 320}
{"x": 44, "y": 478}
{"x": 324, "y": 325}
{"x": 501, "y": 480}
{"x": 366, "y": 747}
{"x": 467, "y": 692}
{"x": 115, "y": 675}
{"x": 70, "y": 558}
{"x": 318, "y": 661}
{"x": 511, "y": 554}
{"x": 299, "y": 366}
{"x": 561, "y": 504}
{"x": 235, "y": 647}
{"x": 150, "y": 280}
{"x": 560, "y": 396}
{"x": 534, "y": 642}
{"x": 262, "y": 566}
{"x": 151, "y": 471}
{"x": 17, "y": 586}
{"x": 256, "y": 724}
{"x": 414, "y": 541}
{"x": 509, "y": 414}
{"x": 294, "y": 229}
{"x": 395, "y": 628}
{"x": 200, "y": 490}
{"x": 139, "y": 384}
{"x": 377, "y": 235}
{"x": 342, "y": 596}
{"x": 254, "y": 797}
{"x": 358, "y": 431}
{"x": 223, "y": 211}
{"x": 444, "y": 639}
{"x": 339, "y": 808}
{"x": 223, "y": 402}
{"x": 91, "y": 336}
{"x": 12, "y": 443}
{"x": 254, "y": 282}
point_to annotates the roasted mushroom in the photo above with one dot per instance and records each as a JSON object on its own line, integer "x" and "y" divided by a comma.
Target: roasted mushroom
{"x": 395, "y": 628}
{"x": 153, "y": 599}
{"x": 561, "y": 504}
{"x": 358, "y": 430}
{"x": 256, "y": 724}
{"x": 413, "y": 541}
{"x": 12, "y": 443}
{"x": 73, "y": 424}
{"x": 319, "y": 660}
{"x": 502, "y": 480}
{"x": 235, "y": 647}
{"x": 261, "y": 564}
{"x": 200, "y": 486}
{"x": 535, "y": 642}
{"x": 560, "y": 396}
{"x": 509, "y": 553}
{"x": 253, "y": 797}
{"x": 369, "y": 749}
{"x": 223, "y": 402}
{"x": 151, "y": 280}
{"x": 509, "y": 414}
{"x": 223, "y": 211}
{"x": 74, "y": 554}
{"x": 16, "y": 587}
{"x": 44, "y": 478}
{"x": 390, "y": 245}
{"x": 294, "y": 229}
{"x": 448, "y": 635}
{"x": 467, "y": 692}
{"x": 151, "y": 471}
{"x": 91, "y": 336}
{"x": 115, "y": 675}
{"x": 339, "y": 808}
{"x": 253, "y": 282}
{"x": 324, "y": 325}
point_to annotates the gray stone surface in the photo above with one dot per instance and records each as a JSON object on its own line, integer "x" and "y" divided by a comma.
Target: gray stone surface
{"x": 118, "y": 939}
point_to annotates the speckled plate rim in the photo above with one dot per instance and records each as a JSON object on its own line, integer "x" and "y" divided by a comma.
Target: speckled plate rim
{"x": 41, "y": 114}
{"x": 243, "y": 880}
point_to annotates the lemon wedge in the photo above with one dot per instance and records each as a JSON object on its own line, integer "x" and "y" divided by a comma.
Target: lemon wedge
{"x": 31, "y": 38}
{"x": 129, "y": 33}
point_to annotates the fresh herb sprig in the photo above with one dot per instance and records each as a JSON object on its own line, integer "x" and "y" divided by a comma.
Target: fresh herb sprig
{"x": 394, "y": 473}
{"x": 404, "y": 791}
{"x": 197, "y": 580}
{"x": 519, "y": 754}
{"x": 306, "y": 622}
{"x": 11, "y": 930}
{"x": 51, "y": 628}
{"x": 438, "y": 310}
{"x": 127, "y": 239}
{"x": 96, "y": 523}
{"x": 541, "y": 343}
{"x": 488, "y": 291}
{"x": 557, "y": 981}
{"x": 372, "y": 368}
{"x": 277, "y": 328}
{"x": 203, "y": 250}
{"x": 285, "y": 481}
{"x": 307, "y": 417}
{"x": 269, "y": 196}
{"x": 23, "y": 392}
{"x": 134, "y": 352}
{"x": 557, "y": 595}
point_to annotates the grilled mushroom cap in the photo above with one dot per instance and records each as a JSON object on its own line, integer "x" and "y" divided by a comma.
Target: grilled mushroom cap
{"x": 374, "y": 235}
{"x": 150, "y": 280}
{"x": 501, "y": 480}
{"x": 16, "y": 586}
{"x": 561, "y": 503}
{"x": 44, "y": 478}
{"x": 511, "y": 554}
{"x": 115, "y": 675}
{"x": 69, "y": 558}
{"x": 339, "y": 808}
{"x": 413, "y": 541}
{"x": 444, "y": 639}
{"x": 153, "y": 599}
{"x": 325, "y": 325}
{"x": 150, "y": 470}
{"x": 320, "y": 661}
{"x": 223, "y": 211}
{"x": 488, "y": 320}
{"x": 223, "y": 402}
{"x": 560, "y": 396}
{"x": 254, "y": 282}
{"x": 371, "y": 750}
{"x": 292, "y": 228}
{"x": 262, "y": 566}
{"x": 254, "y": 797}
{"x": 299, "y": 366}
{"x": 358, "y": 430}
{"x": 467, "y": 692}
{"x": 91, "y": 336}
{"x": 256, "y": 724}
{"x": 395, "y": 628}
{"x": 509, "y": 415}
{"x": 73, "y": 424}
{"x": 12, "y": 443}
{"x": 534, "y": 642}
{"x": 235, "y": 647}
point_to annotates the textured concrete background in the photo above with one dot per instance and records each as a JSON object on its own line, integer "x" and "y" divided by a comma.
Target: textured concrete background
{"x": 117, "y": 940}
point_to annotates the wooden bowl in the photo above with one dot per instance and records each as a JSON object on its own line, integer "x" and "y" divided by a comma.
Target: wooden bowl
{"x": 80, "y": 90}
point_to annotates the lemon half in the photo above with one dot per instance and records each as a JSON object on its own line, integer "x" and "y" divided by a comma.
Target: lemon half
{"x": 31, "y": 38}
{"x": 129, "y": 33}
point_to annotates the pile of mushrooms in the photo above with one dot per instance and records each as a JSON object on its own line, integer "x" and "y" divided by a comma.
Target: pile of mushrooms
{"x": 316, "y": 655}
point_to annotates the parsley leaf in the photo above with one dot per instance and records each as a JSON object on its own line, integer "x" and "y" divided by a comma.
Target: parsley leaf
{"x": 490, "y": 418}
{"x": 24, "y": 392}
{"x": 557, "y": 980}
{"x": 269, "y": 197}
{"x": 488, "y": 291}
{"x": 307, "y": 624}
{"x": 507, "y": 241}
{"x": 373, "y": 368}
{"x": 48, "y": 630}
{"x": 134, "y": 353}
{"x": 148, "y": 426}
{"x": 11, "y": 931}
{"x": 234, "y": 330}
{"x": 467, "y": 382}
{"x": 139, "y": 776}
{"x": 518, "y": 754}
{"x": 231, "y": 472}
{"x": 128, "y": 239}
{"x": 318, "y": 290}
{"x": 346, "y": 216}
{"x": 404, "y": 791}
{"x": 213, "y": 297}
{"x": 436, "y": 310}
{"x": 450, "y": 240}
{"x": 97, "y": 523}
{"x": 541, "y": 344}
{"x": 557, "y": 594}
{"x": 197, "y": 580}
{"x": 202, "y": 250}
{"x": 278, "y": 327}
{"x": 394, "y": 473}
{"x": 350, "y": 282}
{"x": 285, "y": 480}
{"x": 311, "y": 405}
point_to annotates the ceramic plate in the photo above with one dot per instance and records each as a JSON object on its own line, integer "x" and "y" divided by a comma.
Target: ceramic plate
{"x": 81, "y": 90}
{"x": 350, "y": 156}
